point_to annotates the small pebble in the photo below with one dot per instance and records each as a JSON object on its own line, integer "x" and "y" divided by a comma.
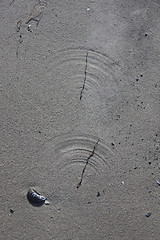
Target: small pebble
{"x": 158, "y": 182}
{"x": 98, "y": 194}
{"x": 29, "y": 28}
{"x": 109, "y": 208}
{"x": 11, "y": 210}
{"x": 148, "y": 214}
{"x": 88, "y": 9}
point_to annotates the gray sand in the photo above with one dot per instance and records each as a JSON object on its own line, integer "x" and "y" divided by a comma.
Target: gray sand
{"x": 79, "y": 119}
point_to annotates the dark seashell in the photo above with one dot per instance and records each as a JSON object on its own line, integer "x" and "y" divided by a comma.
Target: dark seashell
{"x": 35, "y": 198}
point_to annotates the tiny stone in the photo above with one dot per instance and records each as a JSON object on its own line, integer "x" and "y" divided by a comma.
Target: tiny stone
{"x": 148, "y": 214}
{"x": 88, "y": 9}
{"x": 29, "y": 28}
{"x": 11, "y": 211}
{"x": 98, "y": 194}
{"x": 109, "y": 208}
{"x": 158, "y": 182}
{"x": 89, "y": 202}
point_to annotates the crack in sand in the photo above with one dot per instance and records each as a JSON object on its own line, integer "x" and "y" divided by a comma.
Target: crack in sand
{"x": 85, "y": 75}
{"x": 11, "y": 2}
{"x": 87, "y": 161}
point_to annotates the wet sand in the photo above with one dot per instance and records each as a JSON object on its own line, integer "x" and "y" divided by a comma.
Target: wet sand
{"x": 80, "y": 119}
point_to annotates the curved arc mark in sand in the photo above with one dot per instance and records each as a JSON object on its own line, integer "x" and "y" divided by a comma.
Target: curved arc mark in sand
{"x": 81, "y": 147}
{"x": 101, "y": 68}
{"x": 87, "y": 153}
{"x": 78, "y": 161}
{"x": 79, "y": 54}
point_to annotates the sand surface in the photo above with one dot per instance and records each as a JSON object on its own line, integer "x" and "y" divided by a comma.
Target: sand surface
{"x": 80, "y": 119}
